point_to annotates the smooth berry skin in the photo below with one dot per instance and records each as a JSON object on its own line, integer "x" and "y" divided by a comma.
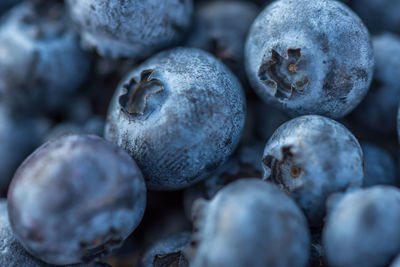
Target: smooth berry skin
{"x": 220, "y": 27}
{"x": 311, "y": 157}
{"x": 180, "y": 115}
{"x": 75, "y": 199}
{"x": 134, "y": 29}
{"x": 249, "y": 223}
{"x": 395, "y": 262}
{"x": 167, "y": 252}
{"x": 378, "y": 110}
{"x": 40, "y": 60}
{"x": 380, "y": 168}
{"x": 379, "y": 16}
{"x": 12, "y": 252}
{"x": 309, "y": 57}
{"x": 361, "y": 230}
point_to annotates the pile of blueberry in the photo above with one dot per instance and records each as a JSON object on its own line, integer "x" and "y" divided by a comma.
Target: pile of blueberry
{"x": 199, "y": 133}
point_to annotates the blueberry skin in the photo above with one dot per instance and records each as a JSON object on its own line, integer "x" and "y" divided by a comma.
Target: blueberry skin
{"x": 40, "y": 59}
{"x": 378, "y": 111}
{"x": 130, "y": 28}
{"x": 167, "y": 252}
{"x": 221, "y": 27}
{"x": 362, "y": 229}
{"x": 309, "y": 57}
{"x": 180, "y": 115}
{"x": 12, "y": 252}
{"x": 379, "y": 15}
{"x": 74, "y": 199}
{"x": 311, "y": 157}
{"x": 380, "y": 168}
{"x": 244, "y": 226}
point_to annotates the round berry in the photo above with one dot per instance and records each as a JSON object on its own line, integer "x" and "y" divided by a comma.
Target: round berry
{"x": 309, "y": 57}
{"x": 75, "y": 199}
{"x": 179, "y": 115}
{"x": 130, "y": 28}
{"x": 249, "y": 223}
{"x": 311, "y": 157}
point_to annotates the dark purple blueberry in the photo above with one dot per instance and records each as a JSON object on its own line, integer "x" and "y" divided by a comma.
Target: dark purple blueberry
{"x": 6, "y": 4}
{"x": 249, "y": 223}
{"x": 130, "y": 28}
{"x": 75, "y": 199}
{"x": 311, "y": 157}
{"x": 167, "y": 252}
{"x": 13, "y": 254}
{"x": 180, "y": 115}
{"x": 309, "y": 57}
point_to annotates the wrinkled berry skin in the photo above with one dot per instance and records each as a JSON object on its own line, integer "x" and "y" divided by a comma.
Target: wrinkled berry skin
{"x": 130, "y": 28}
{"x": 378, "y": 110}
{"x": 309, "y": 57}
{"x": 167, "y": 252}
{"x": 179, "y": 115}
{"x": 13, "y": 254}
{"x": 74, "y": 199}
{"x": 311, "y": 157}
{"x": 362, "y": 229}
{"x": 221, "y": 27}
{"x": 379, "y": 16}
{"x": 40, "y": 59}
{"x": 380, "y": 168}
{"x": 249, "y": 223}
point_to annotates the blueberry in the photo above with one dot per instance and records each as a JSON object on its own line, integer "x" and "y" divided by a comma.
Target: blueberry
{"x": 378, "y": 111}
{"x": 130, "y": 28}
{"x": 249, "y": 223}
{"x": 19, "y": 136}
{"x": 220, "y": 27}
{"x": 362, "y": 229}
{"x": 379, "y": 166}
{"x": 179, "y": 115}
{"x": 40, "y": 59}
{"x": 167, "y": 252}
{"x": 74, "y": 199}
{"x": 309, "y": 57}
{"x": 379, "y": 16}
{"x": 311, "y": 157}
{"x": 13, "y": 254}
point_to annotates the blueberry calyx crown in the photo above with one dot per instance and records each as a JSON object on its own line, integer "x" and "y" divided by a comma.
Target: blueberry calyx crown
{"x": 284, "y": 75}
{"x": 135, "y": 98}
{"x": 274, "y": 167}
{"x": 176, "y": 259}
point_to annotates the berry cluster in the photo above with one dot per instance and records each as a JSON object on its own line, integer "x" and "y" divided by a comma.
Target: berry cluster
{"x": 199, "y": 133}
